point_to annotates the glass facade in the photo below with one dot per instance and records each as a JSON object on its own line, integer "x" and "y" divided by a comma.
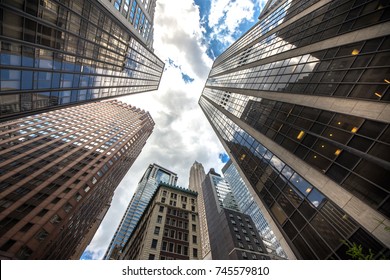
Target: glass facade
{"x": 140, "y": 14}
{"x": 293, "y": 202}
{"x": 58, "y": 173}
{"x": 232, "y": 234}
{"x": 299, "y": 103}
{"x": 145, "y": 190}
{"x": 61, "y": 53}
{"x": 249, "y": 207}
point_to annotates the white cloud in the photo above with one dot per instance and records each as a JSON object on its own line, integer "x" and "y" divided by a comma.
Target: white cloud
{"x": 226, "y": 16}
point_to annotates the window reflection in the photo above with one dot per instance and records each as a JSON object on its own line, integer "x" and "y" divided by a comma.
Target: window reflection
{"x": 301, "y": 184}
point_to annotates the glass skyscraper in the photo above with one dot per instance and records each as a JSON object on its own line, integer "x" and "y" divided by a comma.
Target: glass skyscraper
{"x": 249, "y": 206}
{"x": 148, "y": 184}
{"x": 56, "y": 54}
{"x": 300, "y": 103}
{"x": 232, "y": 234}
{"x": 58, "y": 174}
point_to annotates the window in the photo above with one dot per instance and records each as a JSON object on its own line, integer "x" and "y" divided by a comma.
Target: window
{"x": 240, "y": 245}
{"x": 163, "y": 199}
{"x": 185, "y": 250}
{"x": 238, "y": 236}
{"x": 164, "y": 193}
{"x": 178, "y": 248}
{"x": 194, "y": 239}
{"x": 68, "y": 207}
{"x": 41, "y": 235}
{"x": 193, "y": 208}
{"x": 171, "y": 247}
{"x": 193, "y": 227}
{"x": 55, "y": 219}
{"x": 78, "y": 197}
{"x": 151, "y": 257}
{"x": 193, "y": 217}
{"x": 55, "y": 200}
{"x": 164, "y": 246}
{"x": 154, "y": 244}
{"x": 26, "y": 227}
{"x": 244, "y": 256}
{"x": 250, "y": 247}
{"x": 157, "y": 230}
{"x": 43, "y": 212}
{"x": 195, "y": 252}
{"x": 184, "y": 206}
{"x": 161, "y": 209}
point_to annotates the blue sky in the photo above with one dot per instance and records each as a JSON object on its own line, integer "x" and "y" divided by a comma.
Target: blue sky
{"x": 188, "y": 35}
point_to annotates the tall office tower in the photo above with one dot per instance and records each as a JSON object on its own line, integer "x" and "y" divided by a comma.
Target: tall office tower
{"x": 168, "y": 229}
{"x": 139, "y": 13}
{"x": 300, "y": 103}
{"x": 197, "y": 175}
{"x": 148, "y": 184}
{"x": 57, "y": 54}
{"x": 233, "y": 235}
{"x": 58, "y": 173}
{"x": 249, "y": 206}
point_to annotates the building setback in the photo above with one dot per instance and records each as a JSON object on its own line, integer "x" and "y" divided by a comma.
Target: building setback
{"x": 168, "y": 229}
{"x": 147, "y": 186}
{"x": 232, "y": 234}
{"x": 300, "y": 103}
{"x": 197, "y": 176}
{"x": 56, "y": 54}
{"x": 249, "y": 207}
{"x": 58, "y": 173}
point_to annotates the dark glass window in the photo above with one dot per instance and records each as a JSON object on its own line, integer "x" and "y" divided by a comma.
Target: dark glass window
{"x": 290, "y": 230}
{"x": 298, "y": 220}
{"x": 278, "y": 213}
{"x": 326, "y": 231}
{"x": 315, "y": 242}
{"x": 303, "y": 249}
{"x": 307, "y": 209}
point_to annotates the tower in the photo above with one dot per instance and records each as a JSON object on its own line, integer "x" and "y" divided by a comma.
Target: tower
{"x": 168, "y": 228}
{"x": 56, "y": 54}
{"x": 232, "y": 234}
{"x": 59, "y": 171}
{"x": 300, "y": 104}
{"x": 147, "y": 186}
{"x": 197, "y": 175}
{"x": 249, "y": 206}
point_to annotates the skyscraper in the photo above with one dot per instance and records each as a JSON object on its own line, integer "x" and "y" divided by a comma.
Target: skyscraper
{"x": 197, "y": 175}
{"x": 232, "y": 234}
{"x": 58, "y": 173}
{"x": 147, "y": 186}
{"x": 168, "y": 228}
{"x": 249, "y": 206}
{"x": 57, "y": 54}
{"x": 300, "y": 104}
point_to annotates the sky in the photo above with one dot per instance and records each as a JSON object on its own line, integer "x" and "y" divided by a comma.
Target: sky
{"x": 188, "y": 36}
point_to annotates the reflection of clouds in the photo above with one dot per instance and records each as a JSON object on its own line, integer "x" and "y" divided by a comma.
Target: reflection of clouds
{"x": 316, "y": 203}
{"x": 277, "y": 163}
